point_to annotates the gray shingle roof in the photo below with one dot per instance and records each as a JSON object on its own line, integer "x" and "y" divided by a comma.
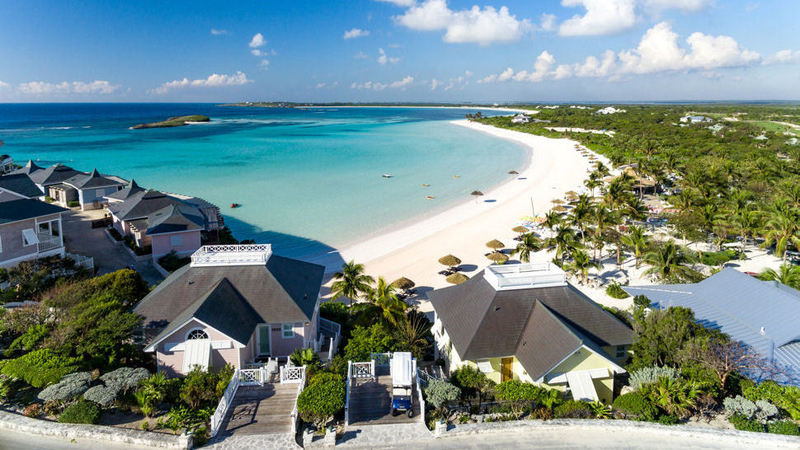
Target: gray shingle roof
{"x": 128, "y": 191}
{"x": 142, "y": 205}
{"x": 739, "y": 305}
{"x": 20, "y": 184}
{"x": 28, "y": 168}
{"x": 173, "y": 218}
{"x": 284, "y": 290}
{"x": 92, "y": 180}
{"x": 54, "y": 174}
{"x": 538, "y": 325}
{"x": 26, "y": 209}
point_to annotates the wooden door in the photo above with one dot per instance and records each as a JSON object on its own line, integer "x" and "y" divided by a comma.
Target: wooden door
{"x": 506, "y": 369}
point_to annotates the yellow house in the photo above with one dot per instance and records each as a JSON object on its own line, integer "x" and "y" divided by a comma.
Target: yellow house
{"x": 526, "y": 322}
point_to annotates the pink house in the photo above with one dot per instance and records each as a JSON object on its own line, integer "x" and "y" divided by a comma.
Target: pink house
{"x": 233, "y": 304}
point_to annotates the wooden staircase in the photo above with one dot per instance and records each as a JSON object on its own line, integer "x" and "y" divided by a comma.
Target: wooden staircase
{"x": 260, "y": 410}
{"x": 371, "y": 403}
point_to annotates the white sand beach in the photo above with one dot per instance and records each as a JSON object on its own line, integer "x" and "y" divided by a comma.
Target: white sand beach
{"x": 554, "y": 168}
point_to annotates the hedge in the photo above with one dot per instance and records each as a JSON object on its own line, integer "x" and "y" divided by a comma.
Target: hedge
{"x": 40, "y": 367}
{"x": 82, "y": 412}
{"x": 634, "y": 405}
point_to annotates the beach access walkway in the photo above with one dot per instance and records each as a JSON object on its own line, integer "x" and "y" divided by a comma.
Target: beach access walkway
{"x": 263, "y": 409}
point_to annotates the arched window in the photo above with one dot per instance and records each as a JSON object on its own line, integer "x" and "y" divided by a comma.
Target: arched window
{"x": 196, "y": 334}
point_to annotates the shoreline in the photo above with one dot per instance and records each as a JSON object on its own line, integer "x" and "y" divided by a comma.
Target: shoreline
{"x": 553, "y": 168}
{"x": 489, "y": 108}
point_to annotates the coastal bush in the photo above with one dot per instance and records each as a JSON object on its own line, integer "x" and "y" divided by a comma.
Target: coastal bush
{"x": 6, "y": 387}
{"x": 193, "y": 420}
{"x": 155, "y": 389}
{"x": 742, "y": 423}
{"x": 786, "y": 398}
{"x": 471, "y": 382}
{"x": 787, "y": 427}
{"x": 172, "y": 262}
{"x": 366, "y": 340}
{"x": 33, "y": 410}
{"x": 650, "y": 375}
{"x": 125, "y": 379}
{"x": 636, "y": 406}
{"x": 573, "y": 409}
{"x": 439, "y": 393}
{"x": 73, "y": 204}
{"x": 760, "y": 410}
{"x": 102, "y": 395}
{"x": 320, "y": 401}
{"x": 614, "y": 290}
{"x": 29, "y": 340}
{"x": 718, "y": 258}
{"x": 305, "y": 357}
{"x": 69, "y": 387}
{"x": 40, "y": 367}
{"x": 641, "y": 301}
{"x": 82, "y": 412}
{"x": 518, "y": 395}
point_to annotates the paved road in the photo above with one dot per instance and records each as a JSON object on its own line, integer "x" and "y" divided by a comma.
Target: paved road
{"x": 11, "y": 440}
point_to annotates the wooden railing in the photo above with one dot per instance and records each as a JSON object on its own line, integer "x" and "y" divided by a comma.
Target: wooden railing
{"x": 224, "y": 403}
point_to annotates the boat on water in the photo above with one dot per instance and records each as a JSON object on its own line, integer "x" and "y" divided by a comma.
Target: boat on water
{"x": 430, "y": 197}
{"x": 235, "y": 205}
{"x": 387, "y": 175}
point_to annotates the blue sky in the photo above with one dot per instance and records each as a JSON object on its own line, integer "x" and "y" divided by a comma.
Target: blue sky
{"x": 400, "y": 50}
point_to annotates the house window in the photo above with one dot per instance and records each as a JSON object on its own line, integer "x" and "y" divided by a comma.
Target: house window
{"x": 287, "y": 330}
{"x": 196, "y": 334}
{"x": 175, "y": 240}
{"x": 621, "y": 352}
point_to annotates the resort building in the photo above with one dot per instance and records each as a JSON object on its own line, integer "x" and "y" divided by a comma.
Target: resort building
{"x": 233, "y": 304}
{"x": 88, "y": 189}
{"x": 696, "y": 119}
{"x": 760, "y": 314}
{"x": 164, "y": 222}
{"x": 29, "y": 229}
{"x": 18, "y": 186}
{"x": 609, "y": 110}
{"x": 520, "y": 118}
{"x": 525, "y": 322}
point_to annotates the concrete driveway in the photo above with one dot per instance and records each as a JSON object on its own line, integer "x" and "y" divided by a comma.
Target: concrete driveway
{"x": 80, "y": 238}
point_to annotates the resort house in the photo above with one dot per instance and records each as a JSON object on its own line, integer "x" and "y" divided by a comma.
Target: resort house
{"x": 519, "y": 119}
{"x": 163, "y": 222}
{"x": 760, "y": 314}
{"x": 29, "y": 229}
{"x": 67, "y": 186}
{"x": 18, "y": 186}
{"x": 525, "y": 322}
{"x": 232, "y": 304}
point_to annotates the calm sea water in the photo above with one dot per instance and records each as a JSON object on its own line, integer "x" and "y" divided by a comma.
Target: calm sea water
{"x": 308, "y": 180}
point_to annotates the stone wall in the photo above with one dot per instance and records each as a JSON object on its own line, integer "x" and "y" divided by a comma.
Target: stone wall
{"x": 99, "y": 433}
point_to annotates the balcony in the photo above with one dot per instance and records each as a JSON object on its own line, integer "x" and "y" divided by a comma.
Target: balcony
{"x": 231, "y": 255}
{"x": 47, "y": 242}
{"x": 524, "y": 276}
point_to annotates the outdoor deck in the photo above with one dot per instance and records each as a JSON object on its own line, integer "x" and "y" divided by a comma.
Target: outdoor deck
{"x": 371, "y": 403}
{"x": 260, "y": 410}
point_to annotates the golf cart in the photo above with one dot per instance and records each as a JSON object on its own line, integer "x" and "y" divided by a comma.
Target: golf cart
{"x": 402, "y": 377}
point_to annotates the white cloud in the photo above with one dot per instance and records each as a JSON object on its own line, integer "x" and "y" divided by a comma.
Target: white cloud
{"x": 360, "y": 55}
{"x": 780, "y": 57}
{"x": 684, "y": 5}
{"x": 264, "y": 63}
{"x": 257, "y": 41}
{"x": 213, "y": 80}
{"x": 658, "y": 51}
{"x": 467, "y": 73}
{"x": 475, "y": 25}
{"x": 383, "y": 58}
{"x": 3, "y": 85}
{"x": 256, "y": 52}
{"x": 435, "y": 83}
{"x": 547, "y": 22}
{"x": 355, "y": 33}
{"x": 74, "y": 87}
{"x": 217, "y": 32}
{"x": 601, "y": 17}
{"x": 378, "y": 86}
{"x": 402, "y": 3}
{"x": 321, "y": 85}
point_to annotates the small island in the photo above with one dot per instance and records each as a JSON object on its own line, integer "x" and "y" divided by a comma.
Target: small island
{"x": 172, "y": 122}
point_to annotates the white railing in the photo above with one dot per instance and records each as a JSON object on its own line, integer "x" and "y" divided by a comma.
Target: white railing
{"x": 419, "y": 392}
{"x": 525, "y": 275}
{"x": 252, "y": 377}
{"x": 334, "y": 343}
{"x": 83, "y": 261}
{"x": 232, "y": 255}
{"x": 347, "y": 394}
{"x": 224, "y": 404}
{"x": 295, "y": 414}
{"x": 362, "y": 370}
{"x": 329, "y": 327}
{"x": 47, "y": 242}
{"x": 293, "y": 374}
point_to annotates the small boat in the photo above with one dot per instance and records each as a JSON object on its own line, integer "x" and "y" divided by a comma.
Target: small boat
{"x": 430, "y": 197}
{"x": 235, "y": 205}
{"x": 456, "y": 176}
{"x": 426, "y": 185}
{"x": 387, "y": 175}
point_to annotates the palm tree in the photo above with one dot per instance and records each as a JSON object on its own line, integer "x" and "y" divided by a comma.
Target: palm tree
{"x": 351, "y": 282}
{"x": 581, "y": 263}
{"x": 603, "y": 219}
{"x": 410, "y": 333}
{"x": 529, "y": 244}
{"x": 636, "y": 241}
{"x": 668, "y": 263}
{"x": 782, "y": 229}
{"x": 552, "y": 219}
{"x": 787, "y": 274}
{"x": 593, "y": 182}
{"x": 581, "y": 213}
{"x": 385, "y": 298}
{"x": 746, "y": 222}
{"x": 564, "y": 241}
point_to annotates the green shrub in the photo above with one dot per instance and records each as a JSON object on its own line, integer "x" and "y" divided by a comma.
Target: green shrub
{"x": 518, "y": 395}
{"x": 787, "y": 427}
{"x": 82, "y": 412}
{"x": 744, "y": 424}
{"x": 40, "y": 367}
{"x": 440, "y": 393}
{"x": 641, "y": 301}
{"x": 668, "y": 420}
{"x": 650, "y": 375}
{"x": 718, "y": 258}
{"x": 614, "y": 290}
{"x": 324, "y": 377}
{"x": 29, "y": 340}
{"x": 572, "y": 409}
{"x": 73, "y": 204}
{"x": 200, "y": 389}
{"x": 785, "y": 397}
{"x": 172, "y": 262}
{"x": 154, "y": 390}
{"x": 320, "y": 401}
{"x": 634, "y": 405}
{"x": 305, "y": 357}
{"x": 69, "y": 387}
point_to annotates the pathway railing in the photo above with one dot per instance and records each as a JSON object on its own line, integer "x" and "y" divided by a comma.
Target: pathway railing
{"x": 362, "y": 370}
{"x": 347, "y": 393}
{"x": 253, "y": 377}
{"x": 224, "y": 403}
{"x": 293, "y": 374}
{"x": 419, "y": 392}
{"x": 295, "y": 414}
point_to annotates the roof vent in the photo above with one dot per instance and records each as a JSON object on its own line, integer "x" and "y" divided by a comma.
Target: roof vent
{"x": 232, "y": 255}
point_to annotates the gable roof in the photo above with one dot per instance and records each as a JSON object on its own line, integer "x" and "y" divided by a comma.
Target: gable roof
{"x": 125, "y": 193}
{"x": 54, "y": 174}
{"x": 282, "y": 290}
{"x": 28, "y": 168}
{"x": 539, "y": 325}
{"x": 23, "y": 209}
{"x": 142, "y": 204}
{"x": 20, "y": 184}
{"x": 738, "y": 305}
{"x": 174, "y": 218}
{"x": 92, "y": 180}
{"x": 223, "y": 308}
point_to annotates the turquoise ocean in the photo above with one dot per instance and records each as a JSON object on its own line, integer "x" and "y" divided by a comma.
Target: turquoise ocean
{"x": 308, "y": 180}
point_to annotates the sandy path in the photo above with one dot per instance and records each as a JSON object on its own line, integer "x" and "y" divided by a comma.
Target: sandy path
{"x": 413, "y": 251}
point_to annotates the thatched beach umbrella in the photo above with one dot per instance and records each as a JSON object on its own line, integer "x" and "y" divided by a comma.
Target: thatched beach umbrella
{"x": 449, "y": 261}
{"x": 513, "y": 172}
{"x": 476, "y": 194}
{"x": 403, "y": 283}
{"x": 457, "y": 278}
{"x": 494, "y": 244}
{"x": 557, "y": 201}
{"x": 498, "y": 257}
{"x": 519, "y": 229}
{"x": 559, "y": 209}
